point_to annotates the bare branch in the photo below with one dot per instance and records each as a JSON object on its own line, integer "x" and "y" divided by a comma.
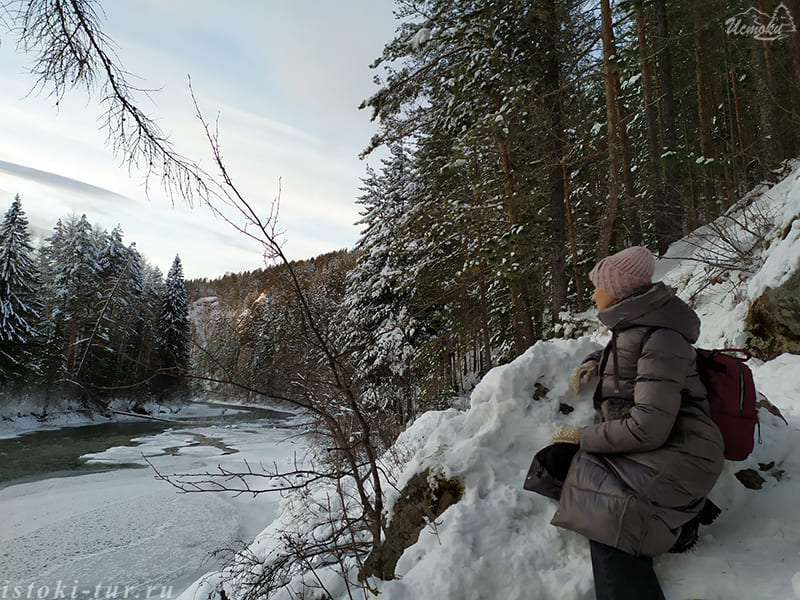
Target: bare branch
{"x": 70, "y": 51}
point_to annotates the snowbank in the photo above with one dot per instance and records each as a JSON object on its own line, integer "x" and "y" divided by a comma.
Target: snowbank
{"x": 499, "y": 538}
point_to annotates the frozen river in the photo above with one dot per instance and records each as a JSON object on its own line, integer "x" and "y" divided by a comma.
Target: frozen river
{"x": 82, "y": 515}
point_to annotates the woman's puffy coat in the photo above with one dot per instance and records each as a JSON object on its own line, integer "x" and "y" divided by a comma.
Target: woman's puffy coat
{"x": 637, "y": 479}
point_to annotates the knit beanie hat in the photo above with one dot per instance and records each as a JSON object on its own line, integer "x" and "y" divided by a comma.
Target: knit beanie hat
{"x": 623, "y": 273}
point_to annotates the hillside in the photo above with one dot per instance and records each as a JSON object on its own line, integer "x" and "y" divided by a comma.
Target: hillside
{"x": 249, "y": 340}
{"x": 236, "y": 290}
{"x": 496, "y": 542}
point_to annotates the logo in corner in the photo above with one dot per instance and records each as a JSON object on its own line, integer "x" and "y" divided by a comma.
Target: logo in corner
{"x": 762, "y": 26}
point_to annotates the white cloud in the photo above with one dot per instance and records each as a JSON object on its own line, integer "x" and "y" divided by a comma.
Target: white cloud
{"x": 208, "y": 247}
{"x": 286, "y": 79}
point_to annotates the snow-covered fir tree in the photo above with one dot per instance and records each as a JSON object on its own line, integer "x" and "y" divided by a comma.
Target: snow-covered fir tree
{"x": 19, "y": 288}
{"x": 121, "y": 281}
{"x": 152, "y": 293}
{"x": 465, "y": 84}
{"x": 53, "y": 358}
{"x": 379, "y": 295}
{"x": 174, "y": 330}
{"x": 78, "y": 292}
{"x": 138, "y": 322}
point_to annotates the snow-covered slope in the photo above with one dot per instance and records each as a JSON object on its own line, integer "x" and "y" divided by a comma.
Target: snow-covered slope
{"x": 499, "y": 538}
{"x": 497, "y": 541}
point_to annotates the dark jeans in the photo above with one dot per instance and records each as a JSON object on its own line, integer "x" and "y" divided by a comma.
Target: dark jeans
{"x": 622, "y": 576}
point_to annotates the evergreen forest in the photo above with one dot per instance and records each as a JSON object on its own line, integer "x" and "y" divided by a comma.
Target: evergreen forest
{"x": 85, "y": 318}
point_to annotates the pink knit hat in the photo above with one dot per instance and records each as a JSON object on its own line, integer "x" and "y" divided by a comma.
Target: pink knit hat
{"x": 623, "y": 273}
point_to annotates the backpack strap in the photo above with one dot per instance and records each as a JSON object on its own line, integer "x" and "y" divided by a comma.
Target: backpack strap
{"x": 646, "y": 337}
{"x": 732, "y": 352}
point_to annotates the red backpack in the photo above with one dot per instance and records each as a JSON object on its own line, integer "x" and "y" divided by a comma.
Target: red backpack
{"x": 731, "y": 398}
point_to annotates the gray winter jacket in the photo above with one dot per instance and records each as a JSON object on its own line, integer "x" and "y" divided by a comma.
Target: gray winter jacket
{"x": 646, "y": 469}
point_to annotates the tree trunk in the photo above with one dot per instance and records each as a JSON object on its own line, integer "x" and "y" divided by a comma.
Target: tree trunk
{"x": 735, "y": 156}
{"x": 769, "y": 136}
{"x": 794, "y": 80}
{"x": 737, "y": 116}
{"x": 523, "y": 324}
{"x": 690, "y": 221}
{"x": 651, "y": 112}
{"x": 704, "y": 108}
{"x": 572, "y": 243}
{"x": 486, "y": 337}
{"x": 776, "y": 109}
{"x": 555, "y": 134}
{"x": 668, "y": 220}
{"x": 768, "y": 133}
{"x": 634, "y": 225}
{"x": 612, "y": 117}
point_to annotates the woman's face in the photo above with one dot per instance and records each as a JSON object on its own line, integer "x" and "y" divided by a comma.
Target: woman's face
{"x": 601, "y": 299}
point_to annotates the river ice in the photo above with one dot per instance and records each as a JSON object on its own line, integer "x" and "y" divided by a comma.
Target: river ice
{"x": 124, "y": 534}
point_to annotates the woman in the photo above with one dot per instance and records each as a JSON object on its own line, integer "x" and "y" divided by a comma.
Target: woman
{"x": 640, "y": 477}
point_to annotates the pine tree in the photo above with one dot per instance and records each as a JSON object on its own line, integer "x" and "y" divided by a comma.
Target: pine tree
{"x": 53, "y": 358}
{"x": 130, "y": 368}
{"x": 147, "y": 357}
{"x": 377, "y": 300}
{"x": 20, "y": 308}
{"x": 174, "y": 331}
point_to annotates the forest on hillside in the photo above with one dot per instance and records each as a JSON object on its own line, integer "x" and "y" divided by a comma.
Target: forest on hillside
{"x": 528, "y": 140}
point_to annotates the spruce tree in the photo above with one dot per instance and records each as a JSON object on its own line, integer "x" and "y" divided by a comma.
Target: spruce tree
{"x": 78, "y": 284}
{"x": 136, "y": 323}
{"x": 19, "y": 304}
{"x": 53, "y": 357}
{"x": 379, "y": 296}
{"x": 118, "y": 309}
{"x": 174, "y": 331}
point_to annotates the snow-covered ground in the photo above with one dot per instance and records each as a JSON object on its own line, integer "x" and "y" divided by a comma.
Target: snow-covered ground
{"x": 123, "y": 528}
{"x": 497, "y": 541}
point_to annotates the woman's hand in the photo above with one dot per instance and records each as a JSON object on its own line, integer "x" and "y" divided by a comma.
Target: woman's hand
{"x": 582, "y": 373}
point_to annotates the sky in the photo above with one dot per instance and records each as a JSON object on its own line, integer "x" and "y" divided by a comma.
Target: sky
{"x": 285, "y": 78}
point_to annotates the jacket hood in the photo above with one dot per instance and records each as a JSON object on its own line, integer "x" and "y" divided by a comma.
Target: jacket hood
{"x": 654, "y": 306}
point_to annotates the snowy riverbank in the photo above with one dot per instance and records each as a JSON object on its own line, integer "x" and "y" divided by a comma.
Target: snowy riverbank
{"x": 27, "y": 415}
